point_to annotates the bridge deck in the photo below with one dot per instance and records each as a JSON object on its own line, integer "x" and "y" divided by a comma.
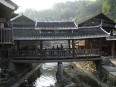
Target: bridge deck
{"x": 36, "y": 60}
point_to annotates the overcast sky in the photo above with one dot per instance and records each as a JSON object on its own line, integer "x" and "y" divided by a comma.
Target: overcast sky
{"x": 36, "y": 4}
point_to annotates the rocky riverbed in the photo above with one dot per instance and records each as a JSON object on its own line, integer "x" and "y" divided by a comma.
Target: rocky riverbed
{"x": 80, "y": 77}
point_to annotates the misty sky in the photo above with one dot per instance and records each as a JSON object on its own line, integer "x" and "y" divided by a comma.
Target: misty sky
{"x": 36, "y": 4}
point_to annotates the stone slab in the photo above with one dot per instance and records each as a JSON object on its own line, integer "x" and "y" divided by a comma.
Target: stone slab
{"x": 109, "y": 68}
{"x": 113, "y": 61}
{"x": 113, "y": 73}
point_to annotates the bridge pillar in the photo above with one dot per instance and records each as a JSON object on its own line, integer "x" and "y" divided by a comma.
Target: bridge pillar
{"x": 59, "y": 73}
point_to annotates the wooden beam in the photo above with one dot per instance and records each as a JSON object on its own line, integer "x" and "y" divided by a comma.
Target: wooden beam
{"x": 55, "y": 38}
{"x": 58, "y": 60}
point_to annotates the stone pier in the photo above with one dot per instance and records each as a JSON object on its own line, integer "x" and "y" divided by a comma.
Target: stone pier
{"x": 59, "y": 73}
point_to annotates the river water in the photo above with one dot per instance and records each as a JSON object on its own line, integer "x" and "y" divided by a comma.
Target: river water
{"x": 48, "y": 75}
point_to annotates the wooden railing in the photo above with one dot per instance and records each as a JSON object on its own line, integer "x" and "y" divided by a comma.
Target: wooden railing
{"x": 87, "y": 52}
{"x": 50, "y": 53}
{"x": 5, "y": 36}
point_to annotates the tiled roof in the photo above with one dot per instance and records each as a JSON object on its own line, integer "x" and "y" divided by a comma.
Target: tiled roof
{"x": 99, "y": 19}
{"x": 23, "y": 25}
{"x": 21, "y": 18}
{"x": 26, "y": 32}
{"x": 103, "y": 17}
{"x": 55, "y": 24}
{"x": 22, "y": 22}
{"x": 97, "y": 16}
{"x": 91, "y": 31}
{"x": 80, "y": 33}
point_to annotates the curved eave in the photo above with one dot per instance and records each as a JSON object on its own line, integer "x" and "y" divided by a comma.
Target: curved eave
{"x": 104, "y": 31}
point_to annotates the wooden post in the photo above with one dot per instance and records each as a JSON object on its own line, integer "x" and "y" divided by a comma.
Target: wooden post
{"x": 85, "y": 46}
{"x": 78, "y": 45}
{"x": 11, "y": 33}
{"x": 41, "y": 45}
{"x": 113, "y": 49}
{"x": 41, "y": 48}
{"x": 100, "y": 48}
{"x": 73, "y": 47}
{"x": 13, "y": 51}
{"x": 91, "y": 46}
{"x": 69, "y": 45}
{"x": 18, "y": 45}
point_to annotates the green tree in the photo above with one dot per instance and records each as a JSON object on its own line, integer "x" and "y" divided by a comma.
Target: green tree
{"x": 80, "y": 9}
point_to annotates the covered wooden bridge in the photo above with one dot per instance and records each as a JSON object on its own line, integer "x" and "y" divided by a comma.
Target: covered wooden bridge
{"x": 25, "y": 33}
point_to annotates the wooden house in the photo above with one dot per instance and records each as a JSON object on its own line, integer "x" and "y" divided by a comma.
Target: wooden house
{"x": 107, "y": 25}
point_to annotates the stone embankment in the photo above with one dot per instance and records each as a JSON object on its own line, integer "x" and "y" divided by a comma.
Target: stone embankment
{"x": 107, "y": 72}
{"x": 26, "y": 76}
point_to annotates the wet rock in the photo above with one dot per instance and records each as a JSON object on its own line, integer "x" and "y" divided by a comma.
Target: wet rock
{"x": 71, "y": 85}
